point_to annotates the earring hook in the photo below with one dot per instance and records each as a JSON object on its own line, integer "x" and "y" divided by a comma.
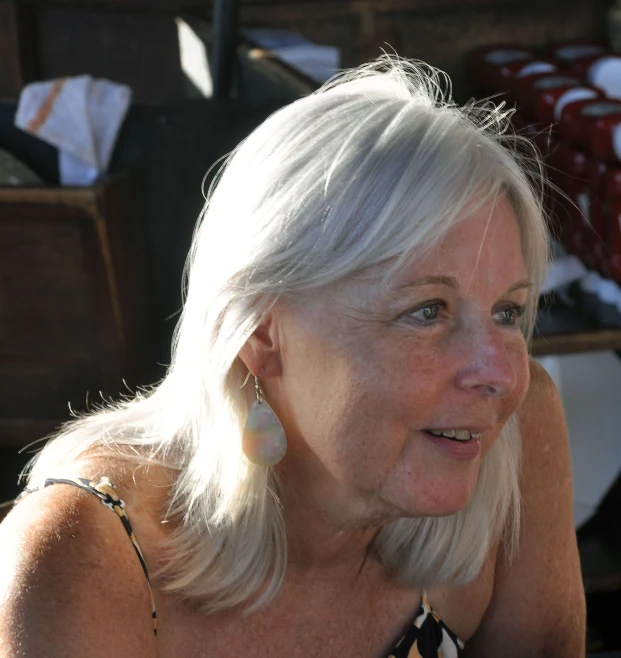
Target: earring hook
{"x": 245, "y": 380}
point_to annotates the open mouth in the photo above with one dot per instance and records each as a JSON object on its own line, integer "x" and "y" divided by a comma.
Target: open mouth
{"x": 459, "y": 444}
{"x": 459, "y": 435}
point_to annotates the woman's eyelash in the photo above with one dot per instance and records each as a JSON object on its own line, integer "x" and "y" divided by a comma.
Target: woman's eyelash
{"x": 511, "y": 315}
{"x": 429, "y": 312}
{"x": 426, "y": 313}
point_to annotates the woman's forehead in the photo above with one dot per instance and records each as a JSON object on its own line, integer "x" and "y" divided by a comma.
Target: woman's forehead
{"x": 486, "y": 242}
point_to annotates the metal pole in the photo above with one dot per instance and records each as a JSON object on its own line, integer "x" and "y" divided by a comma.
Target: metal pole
{"x": 225, "y": 20}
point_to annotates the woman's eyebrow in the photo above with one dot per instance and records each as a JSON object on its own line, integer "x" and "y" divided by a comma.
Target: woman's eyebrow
{"x": 520, "y": 284}
{"x": 449, "y": 281}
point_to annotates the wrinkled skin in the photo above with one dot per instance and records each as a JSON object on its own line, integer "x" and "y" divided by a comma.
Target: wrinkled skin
{"x": 359, "y": 370}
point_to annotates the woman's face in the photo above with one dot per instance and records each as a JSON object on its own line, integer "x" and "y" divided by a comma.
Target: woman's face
{"x": 369, "y": 368}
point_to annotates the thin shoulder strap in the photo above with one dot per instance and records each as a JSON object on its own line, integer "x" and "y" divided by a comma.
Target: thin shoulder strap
{"x": 104, "y": 490}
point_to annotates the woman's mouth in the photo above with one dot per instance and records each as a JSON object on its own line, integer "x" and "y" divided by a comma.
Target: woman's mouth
{"x": 457, "y": 434}
{"x": 459, "y": 444}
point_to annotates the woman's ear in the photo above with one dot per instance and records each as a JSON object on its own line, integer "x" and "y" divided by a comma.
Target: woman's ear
{"x": 261, "y": 353}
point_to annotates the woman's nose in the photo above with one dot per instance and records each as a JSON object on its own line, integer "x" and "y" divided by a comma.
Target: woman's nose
{"x": 488, "y": 366}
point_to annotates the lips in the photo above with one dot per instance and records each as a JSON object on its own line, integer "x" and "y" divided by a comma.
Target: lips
{"x": 454, "y": 448}
{"x": 461, "y": 434}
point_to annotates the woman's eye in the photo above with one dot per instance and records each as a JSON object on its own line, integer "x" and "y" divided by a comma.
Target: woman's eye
{"x": 425, "y": 314}
{"x": 509, "y": 316}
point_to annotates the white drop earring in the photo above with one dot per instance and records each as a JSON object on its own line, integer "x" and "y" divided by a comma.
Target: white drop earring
{"x": 263, "y": 442}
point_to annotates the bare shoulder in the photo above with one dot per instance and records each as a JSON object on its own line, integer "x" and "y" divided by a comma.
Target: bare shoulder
{"x": 542, "y": 397}
{"x": 545, "y": 447}
{"x": 538, "y": 606}
{"x": 70, "y": 581}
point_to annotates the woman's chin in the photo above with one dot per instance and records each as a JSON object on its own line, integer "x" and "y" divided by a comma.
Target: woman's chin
{"x": 437, "y": 500}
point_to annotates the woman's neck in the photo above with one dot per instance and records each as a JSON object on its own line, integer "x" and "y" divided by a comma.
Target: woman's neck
{"x": 323, "y": 532}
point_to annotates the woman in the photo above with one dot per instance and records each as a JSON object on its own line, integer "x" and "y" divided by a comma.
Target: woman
{"x": 332, "y": 465}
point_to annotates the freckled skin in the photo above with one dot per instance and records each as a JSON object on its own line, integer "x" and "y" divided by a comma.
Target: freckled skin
{"x": 360, "y": 378}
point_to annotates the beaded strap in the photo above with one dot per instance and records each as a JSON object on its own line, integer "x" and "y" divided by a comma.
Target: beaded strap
{"x": 104, "y": 490}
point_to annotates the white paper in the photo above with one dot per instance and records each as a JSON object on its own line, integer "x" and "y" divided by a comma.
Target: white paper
{"x": 81, "y": 117}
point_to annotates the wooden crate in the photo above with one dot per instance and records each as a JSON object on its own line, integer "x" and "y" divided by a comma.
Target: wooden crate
{"x": 73, "y": 307}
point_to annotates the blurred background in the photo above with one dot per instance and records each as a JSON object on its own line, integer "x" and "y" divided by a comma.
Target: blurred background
{"x": 113, "y": 111}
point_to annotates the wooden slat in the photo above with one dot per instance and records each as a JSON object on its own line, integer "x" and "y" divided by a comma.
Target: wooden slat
{"x": 280, "y": 72}
{"x": 78, "y": 314}
{"x": 11, "y": 70}
{"x": 84, "y": 198}
{"x": 284, "y": 8}
{"x": 18, "y": 58}
{"x": 587, "y": 341}
{"x": 5, "y": 508}
{"x": 260, "y": 11}
{"x": 610, "y": 583}
{"x": 20, "y": 432}
{"x": 170, "y": 6}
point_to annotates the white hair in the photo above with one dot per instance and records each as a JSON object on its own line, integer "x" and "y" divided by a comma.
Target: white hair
{"x": 375, "y": 166}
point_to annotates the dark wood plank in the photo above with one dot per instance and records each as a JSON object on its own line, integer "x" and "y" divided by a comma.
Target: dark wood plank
{"x": 18, "y": 47}
{"x": 11, "y": 69}
{"x": 5, "y": 508}
{"x": 277, "y": 71}
{"x": 21, "y": 432}
{"x": 74, "y": 313}
{"x": 131, "y": 47}
{"x": 261, "y": 11}
{"x": 588, "y": 341}
{"x": 305, "y": 8}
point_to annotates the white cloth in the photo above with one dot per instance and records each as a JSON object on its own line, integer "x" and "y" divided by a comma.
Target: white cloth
{"x": 317, "y": 62}
{"x": 81, "y": 117}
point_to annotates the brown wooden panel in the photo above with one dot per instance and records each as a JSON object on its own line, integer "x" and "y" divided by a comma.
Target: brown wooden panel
{"x": 11, "y": 73}
{"x": 43, "y": 284}
{"x": 262, "y": 11}
{"x": 440, "y": 35}
{"x": 40, "y": 390}
{"x": 17, "y": 48}
{"x": 72, "y": 310}
{"x": 321, "y": 6}
{"x": 5, "y": 508}
{"x": 586, "y": 341}
{"x": 18, "y": 433}
{"x": 51, "y": 310}
{"x": 131, "y": 47}
{"x": 159, "y": 6}
{"x": 135, "y": 41}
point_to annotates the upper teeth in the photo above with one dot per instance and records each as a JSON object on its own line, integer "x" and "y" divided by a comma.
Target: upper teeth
{"x": 460, "y": 435}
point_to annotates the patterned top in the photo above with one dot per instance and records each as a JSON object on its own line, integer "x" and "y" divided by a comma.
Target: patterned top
{"x": 427, "y": 637}
{"x": 104, "y": 490}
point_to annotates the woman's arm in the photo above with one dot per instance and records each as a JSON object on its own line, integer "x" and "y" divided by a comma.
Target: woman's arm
{"x": 538, "y": 605}
{"x": 70, "y": 583}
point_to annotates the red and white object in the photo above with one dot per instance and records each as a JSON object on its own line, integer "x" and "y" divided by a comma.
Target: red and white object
{"x": 577, "y": 116}
{"x": 605, "y": 73}
{"x": 504, "y": 80}
{"x": 570, "y": 52}
{"x": 612, "y": 190}
{"x": 548, "y": 109}
{"x": 597, "y": 236}
{"x": 587, "y": 176}
{"x": 614, "y": 224}
{"x": 571, "y": 176}
{"x": 583, "y": 65}
{"x": 488, "y": 66}
{"x": 604, "y": 137}
{"x": 552, "y": 102}
{"x": 513, "y": 74}
{"x": 531, "y": 87}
